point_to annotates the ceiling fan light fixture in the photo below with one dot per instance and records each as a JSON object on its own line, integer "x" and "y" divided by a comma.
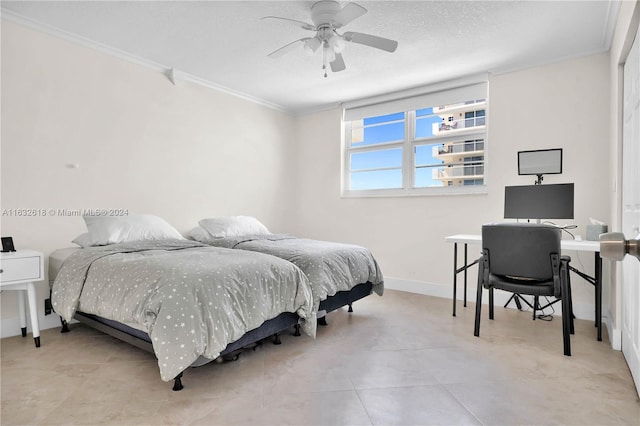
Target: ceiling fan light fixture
{"x": 337, "y": 44}
{"x": 311, "y": 45}
{"x": 329, "y": 54}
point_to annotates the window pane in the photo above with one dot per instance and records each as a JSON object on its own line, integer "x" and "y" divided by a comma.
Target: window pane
{"x": 449, "y": 175}
{"x": 384, "y": 133}
{"x": 426, "y": 125}
{"x": 425, "y": 162}
{"x": 378, "y": 179}
{"x": 427, "y": 155}
{"x": 381, "y": 129}
{"x": 425, "y": 179}
{"x": 384, "y": 118}
{"x": 378, "y": 169}
{"x": 443, "y": 119}
{"x": 449, "y": 164}
{"x": 424, "y": 111}
{"x": 380, "y": 159}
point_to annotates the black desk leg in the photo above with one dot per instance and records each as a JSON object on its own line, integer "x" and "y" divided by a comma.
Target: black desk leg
{"x": 455, "y": 275}
{"x": 465, "y": 275}
{"x": 598, "y": 291}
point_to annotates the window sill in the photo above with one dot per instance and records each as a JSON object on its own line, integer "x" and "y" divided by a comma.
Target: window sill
{"x": 422, "y": 192}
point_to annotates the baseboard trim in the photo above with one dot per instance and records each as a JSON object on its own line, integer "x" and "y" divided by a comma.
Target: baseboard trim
{"x": 584, "y": 311}
{"x": 11, "y": 326}
{"x": 615, "y": 333}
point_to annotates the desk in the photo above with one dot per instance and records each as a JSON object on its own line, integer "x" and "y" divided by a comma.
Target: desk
{"x": 567, "y": 245}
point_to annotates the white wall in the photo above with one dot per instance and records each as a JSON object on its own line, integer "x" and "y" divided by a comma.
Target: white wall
{"x": 182, "y": 152}
{"x": 562, "y": 105}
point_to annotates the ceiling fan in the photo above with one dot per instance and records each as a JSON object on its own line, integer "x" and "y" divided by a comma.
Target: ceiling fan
{"x": 327, "y": 17}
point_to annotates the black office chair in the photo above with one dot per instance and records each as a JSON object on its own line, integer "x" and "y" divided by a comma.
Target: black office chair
{"x": 525, "y": 258}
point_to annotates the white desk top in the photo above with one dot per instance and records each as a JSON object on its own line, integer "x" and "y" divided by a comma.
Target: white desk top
{"x": 576, "y": 245}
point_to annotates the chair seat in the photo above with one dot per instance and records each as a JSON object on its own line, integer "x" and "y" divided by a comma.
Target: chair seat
{"x": 520, "y": 286}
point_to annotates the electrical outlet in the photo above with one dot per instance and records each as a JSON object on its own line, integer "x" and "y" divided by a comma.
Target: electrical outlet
{"x": 47, "y": 307}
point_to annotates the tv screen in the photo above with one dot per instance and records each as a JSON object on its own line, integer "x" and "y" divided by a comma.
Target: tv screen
{"x": 540, "y": 162}
{"x": 539, "y": 201}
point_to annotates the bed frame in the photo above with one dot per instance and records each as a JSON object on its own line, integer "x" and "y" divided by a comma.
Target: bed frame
{"x": 270, "y": 328}
{"x": 140, "y": 339}
{"x": 340, "y": 299}
{"x": 344, "y": 298}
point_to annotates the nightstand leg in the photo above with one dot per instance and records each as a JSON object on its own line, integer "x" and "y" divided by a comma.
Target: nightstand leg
{"x": 33, "y": 311}
{"x": 22, "y": 312}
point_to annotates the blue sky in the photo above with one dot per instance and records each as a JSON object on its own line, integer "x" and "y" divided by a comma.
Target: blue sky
{"x": 375, "y": 132}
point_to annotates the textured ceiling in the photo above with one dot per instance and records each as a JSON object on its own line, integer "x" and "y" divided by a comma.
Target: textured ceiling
{"x": 226, "y": 43}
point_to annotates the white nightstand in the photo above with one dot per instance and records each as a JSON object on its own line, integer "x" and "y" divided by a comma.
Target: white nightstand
{"x": 19, "y": 270}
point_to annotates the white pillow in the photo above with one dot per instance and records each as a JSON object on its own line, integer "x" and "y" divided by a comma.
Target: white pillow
{"x": 234, "y": 226}
{"x": 200, "y": 234}
{"x": 105, "y": 230}
{"x": 83, "y": 240}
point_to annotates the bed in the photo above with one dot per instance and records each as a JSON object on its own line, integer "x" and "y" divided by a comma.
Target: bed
{"x": 339, "y": 273}
{"x": 186, "y": 301}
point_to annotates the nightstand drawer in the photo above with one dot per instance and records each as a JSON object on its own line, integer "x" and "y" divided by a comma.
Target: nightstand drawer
{"x": 20, "y": 269}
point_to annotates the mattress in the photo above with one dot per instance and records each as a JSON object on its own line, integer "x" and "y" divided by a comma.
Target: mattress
{"x": 331, "y": 267}
{"x": 57, "y": 258}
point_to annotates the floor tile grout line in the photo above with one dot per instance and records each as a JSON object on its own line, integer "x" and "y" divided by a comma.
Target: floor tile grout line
{"x": 471, "y": 413}
{"x": 364, "y": 407}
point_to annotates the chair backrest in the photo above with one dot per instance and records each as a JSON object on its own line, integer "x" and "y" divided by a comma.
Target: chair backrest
{"x": 521, "y": 249}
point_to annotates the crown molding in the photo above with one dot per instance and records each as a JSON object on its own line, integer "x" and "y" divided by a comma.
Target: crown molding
{"x": 168, "y": 71}
{"x": 610, "y": 27}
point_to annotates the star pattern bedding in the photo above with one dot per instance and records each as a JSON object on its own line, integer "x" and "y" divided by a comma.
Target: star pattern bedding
{"x": 191, "y": 298}
{"x": 330, "y": 267}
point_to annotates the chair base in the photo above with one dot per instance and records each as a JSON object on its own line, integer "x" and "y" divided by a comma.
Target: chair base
{"x": 567, "y": 319}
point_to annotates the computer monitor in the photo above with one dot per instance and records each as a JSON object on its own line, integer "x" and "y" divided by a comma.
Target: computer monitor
{"x": 539, "y": 201}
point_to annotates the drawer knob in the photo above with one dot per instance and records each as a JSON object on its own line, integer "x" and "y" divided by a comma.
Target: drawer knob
{"x": 1, "y": 271}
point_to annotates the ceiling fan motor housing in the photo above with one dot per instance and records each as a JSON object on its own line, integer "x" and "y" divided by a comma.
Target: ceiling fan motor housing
{"x": 324, "y": 11}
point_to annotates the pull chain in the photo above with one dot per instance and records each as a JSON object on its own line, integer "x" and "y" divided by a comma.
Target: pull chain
{"x": 324, "y": 58}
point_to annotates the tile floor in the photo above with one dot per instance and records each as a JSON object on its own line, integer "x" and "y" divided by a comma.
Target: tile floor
{"x": 400, "y": 359}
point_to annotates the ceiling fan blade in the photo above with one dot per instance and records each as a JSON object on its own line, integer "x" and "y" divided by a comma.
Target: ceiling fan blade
{"x": 338, "y": 64}
{"x": 301, "y": 24}
{"x": 371, "y": 40}
{"x": 347, "y": 14}
{"x": 287, "y": 48}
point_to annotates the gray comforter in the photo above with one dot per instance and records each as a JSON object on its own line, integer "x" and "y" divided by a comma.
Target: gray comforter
{"x": 192, "y": 299}
{"x": 330, "y": 267}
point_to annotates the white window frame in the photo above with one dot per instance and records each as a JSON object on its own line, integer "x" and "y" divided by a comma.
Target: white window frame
{"x": 383, "y": 105}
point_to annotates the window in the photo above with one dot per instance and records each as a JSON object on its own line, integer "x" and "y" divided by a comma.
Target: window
{"x": 376, "y": 160}
{"x": 432, "y": 143}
